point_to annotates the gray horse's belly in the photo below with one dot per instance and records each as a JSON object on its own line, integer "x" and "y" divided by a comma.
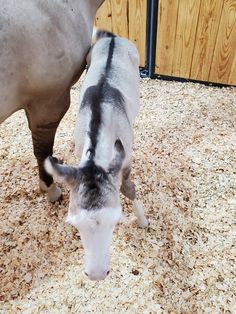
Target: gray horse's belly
{"x": 40, "y": 55}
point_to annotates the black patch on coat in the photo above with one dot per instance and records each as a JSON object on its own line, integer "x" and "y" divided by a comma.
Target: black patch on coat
{"x": 94, "y": 186}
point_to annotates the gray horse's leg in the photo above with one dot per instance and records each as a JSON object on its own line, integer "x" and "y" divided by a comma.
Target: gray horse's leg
{"x": 43, "y": 122}
{"x": 128, "y": 190}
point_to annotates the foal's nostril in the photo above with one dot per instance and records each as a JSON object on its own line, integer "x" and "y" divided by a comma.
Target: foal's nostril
{"x": 100, "y": 276}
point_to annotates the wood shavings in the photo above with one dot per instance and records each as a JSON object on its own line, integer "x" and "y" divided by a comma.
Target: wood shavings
{"x": 184, "y": 168}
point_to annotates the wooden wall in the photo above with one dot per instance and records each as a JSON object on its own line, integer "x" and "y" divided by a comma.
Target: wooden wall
{"x": 126, "y": 18}
{"x": 197, "y": 39}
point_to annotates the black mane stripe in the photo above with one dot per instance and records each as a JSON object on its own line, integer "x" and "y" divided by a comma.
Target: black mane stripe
{"x": 110, "y": 55}
{"x": 94, "y": 97}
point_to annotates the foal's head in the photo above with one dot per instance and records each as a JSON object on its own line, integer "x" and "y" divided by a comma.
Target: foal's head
{"x": 94, "y": 207}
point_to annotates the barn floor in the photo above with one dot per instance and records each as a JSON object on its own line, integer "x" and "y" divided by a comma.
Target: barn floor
{"x": 185, "y": 170}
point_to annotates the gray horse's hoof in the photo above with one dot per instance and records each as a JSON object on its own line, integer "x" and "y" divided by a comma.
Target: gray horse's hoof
{"x": 53, "y": 192}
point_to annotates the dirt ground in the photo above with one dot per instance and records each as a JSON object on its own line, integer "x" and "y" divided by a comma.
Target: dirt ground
{"x": 185, "y": 171}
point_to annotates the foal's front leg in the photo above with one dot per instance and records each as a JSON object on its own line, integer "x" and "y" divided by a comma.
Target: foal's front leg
{"x": 128, "y": 190}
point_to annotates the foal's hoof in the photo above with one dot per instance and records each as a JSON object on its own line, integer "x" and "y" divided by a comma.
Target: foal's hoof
{"x": 54, "y": 194}
{"x": 144, "y": 223}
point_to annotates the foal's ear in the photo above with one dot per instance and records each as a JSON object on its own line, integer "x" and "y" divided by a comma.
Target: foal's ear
{"x": 116, "y": 163}
{"x": 62, "y": 173}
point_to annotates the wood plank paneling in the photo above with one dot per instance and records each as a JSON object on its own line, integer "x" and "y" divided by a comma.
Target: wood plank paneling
{"x": 137, "y": 26}
{"x": 185, "y": 37}
{"x": 224, "y": 55}
{"x": 126, "y": 18}
{"x": 195, "y": 38}
{"x": 208, "y": 25}
{"x": 166, "y": 31}
{"x": 103, "y": 17}
{"x": 232, "y": 76}
{"x": 120, "y": 17}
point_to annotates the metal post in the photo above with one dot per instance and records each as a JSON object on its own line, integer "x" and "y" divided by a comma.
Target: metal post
{"x": 151, "y": 34}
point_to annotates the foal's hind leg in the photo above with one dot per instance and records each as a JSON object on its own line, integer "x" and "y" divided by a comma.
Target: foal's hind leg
{"x": 44, "y": 119}
{"x": 128, "y": 190}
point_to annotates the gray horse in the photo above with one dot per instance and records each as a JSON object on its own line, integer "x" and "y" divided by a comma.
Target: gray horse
{"x": 43, "y": 46}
